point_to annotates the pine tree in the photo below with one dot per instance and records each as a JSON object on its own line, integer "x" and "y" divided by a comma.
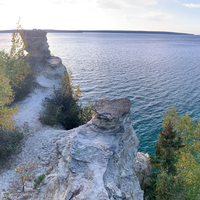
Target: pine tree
{"x": 164, "y": 161}
{"x": 169, "y": 141}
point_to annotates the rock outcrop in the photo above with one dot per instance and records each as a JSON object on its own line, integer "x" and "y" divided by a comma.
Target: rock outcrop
{"x": 40, "y": 59}
{"x": 143, "y": 167}
{"x": 96, "y": 160}
{"x": 37, "y": 45}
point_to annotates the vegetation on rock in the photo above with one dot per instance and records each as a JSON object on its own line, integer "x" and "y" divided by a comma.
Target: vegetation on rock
{"x": 62, "y": 107}
{"x": 15, "y": 83}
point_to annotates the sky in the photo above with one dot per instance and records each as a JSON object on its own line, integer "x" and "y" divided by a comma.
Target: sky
{"x": 145, "y": 15}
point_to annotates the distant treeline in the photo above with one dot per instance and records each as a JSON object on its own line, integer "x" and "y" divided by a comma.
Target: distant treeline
{"x": 103, "y": 31}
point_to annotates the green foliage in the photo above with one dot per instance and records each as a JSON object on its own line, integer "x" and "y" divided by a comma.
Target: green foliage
{"x": 8, "y": 143}
{"x": 62, "y": 107}
{"x": 166, "y": 156}
{"x": 16, "y": 66}
{"x": 39, "y": 179}
{"x": 179, "y": 178}
{"x": 150, "y": 187}
{"x": 165, "y": 149}
{"x": 169, "y": 187}
{"x": 6, "y": 97}
{"x": 188, "y": 165}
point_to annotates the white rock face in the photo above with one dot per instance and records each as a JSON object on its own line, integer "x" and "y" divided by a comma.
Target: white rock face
{"x": 54, "y": 67}
{"x": 143, "y": 167}
{"x": 96, "y": 160}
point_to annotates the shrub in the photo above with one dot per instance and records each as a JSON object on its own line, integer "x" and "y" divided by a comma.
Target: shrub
{"x": 8, "y": 143}
{"x": 62, "y": 107}
{"x": 39, "y": 179}
{"x": 24, "y": 171}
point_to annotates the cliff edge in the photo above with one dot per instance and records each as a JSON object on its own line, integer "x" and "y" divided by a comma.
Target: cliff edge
{"x": 98, "y": 160}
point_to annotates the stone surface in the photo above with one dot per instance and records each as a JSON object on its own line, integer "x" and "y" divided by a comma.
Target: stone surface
{"x": 54, "y": 67}
{"x": 96, "y": 162}
{"x": 143, "y": 167}
{"x": 109, "y": 115}
{"x": 40, "y": 59}
{"x": 37, "y": 45}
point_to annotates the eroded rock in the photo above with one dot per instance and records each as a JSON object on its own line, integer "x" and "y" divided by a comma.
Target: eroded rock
{"x": 143, "y": 167}
{"x": 37, "y": 45}
{"x": 96, "y": 160}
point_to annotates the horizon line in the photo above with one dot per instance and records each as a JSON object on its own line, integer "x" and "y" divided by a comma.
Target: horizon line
{"x": 102, "y": 31}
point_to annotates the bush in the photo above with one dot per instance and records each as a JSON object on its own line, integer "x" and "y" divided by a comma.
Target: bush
{"x": 62, "y": 107}
{"x": 38, "y": 180}
{"x": 8, "y": 143}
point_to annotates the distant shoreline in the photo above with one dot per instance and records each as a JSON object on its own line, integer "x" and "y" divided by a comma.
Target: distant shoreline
{"x": 104, "y": 31}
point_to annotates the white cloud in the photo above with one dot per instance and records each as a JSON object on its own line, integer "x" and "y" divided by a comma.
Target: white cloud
{"x": 191, "y": 5}
{"x": 154, "y": 16}
{"x": 63, "y": 1}
{"x": 122, "y": 3}
{"x": 2, "y": 3}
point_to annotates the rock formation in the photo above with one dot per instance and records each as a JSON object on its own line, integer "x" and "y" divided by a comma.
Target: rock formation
{"x": 96, "y": 160}
{"x": 37, "y": 45}
{"x": 143, "y": 167}
{"x": 39, "y": 55}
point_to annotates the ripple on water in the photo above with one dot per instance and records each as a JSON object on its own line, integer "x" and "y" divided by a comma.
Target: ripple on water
{"x": 153, "y": 71}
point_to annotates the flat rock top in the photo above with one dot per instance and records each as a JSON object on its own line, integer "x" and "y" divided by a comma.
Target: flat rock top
{"x": 53, "y": 61}
{"x": 35, "y": 33}
{"x": 110, "y": 109}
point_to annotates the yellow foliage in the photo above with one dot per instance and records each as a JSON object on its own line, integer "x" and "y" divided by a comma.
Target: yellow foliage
{"x": 66, "y": 84}
{"x": 6, "y": 97}
{"x": 24, "y": 172}
{"x": 188, "y": 165}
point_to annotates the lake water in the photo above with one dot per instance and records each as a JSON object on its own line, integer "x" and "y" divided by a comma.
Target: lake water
{"x": 154, "y": 71}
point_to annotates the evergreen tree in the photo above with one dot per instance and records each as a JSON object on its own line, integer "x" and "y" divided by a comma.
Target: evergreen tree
{"x": 166, "y": 156}
{"x": 169, "y": 141}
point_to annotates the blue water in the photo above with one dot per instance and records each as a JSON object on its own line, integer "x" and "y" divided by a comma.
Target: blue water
{"x": 154, "y": 71}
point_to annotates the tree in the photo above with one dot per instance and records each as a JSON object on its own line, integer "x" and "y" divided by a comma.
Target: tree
{"x": 6, "y": 97}
{"x": 164, "y": 180}
{"x": 169, "y": 187}
{"x": 16, "y": 66}
{"x": 169, "y": 141}
{"x": 188, "y": 165}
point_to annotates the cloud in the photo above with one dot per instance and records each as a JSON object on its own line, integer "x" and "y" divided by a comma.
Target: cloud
{"x": 109, "y": 4}
{"x": 152, "y": 16}
{"x": 191, "y": 5}
{"x": 113, "y": 4}
{"x": 63, "y": 1}
{"x": 1, "y": 3}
